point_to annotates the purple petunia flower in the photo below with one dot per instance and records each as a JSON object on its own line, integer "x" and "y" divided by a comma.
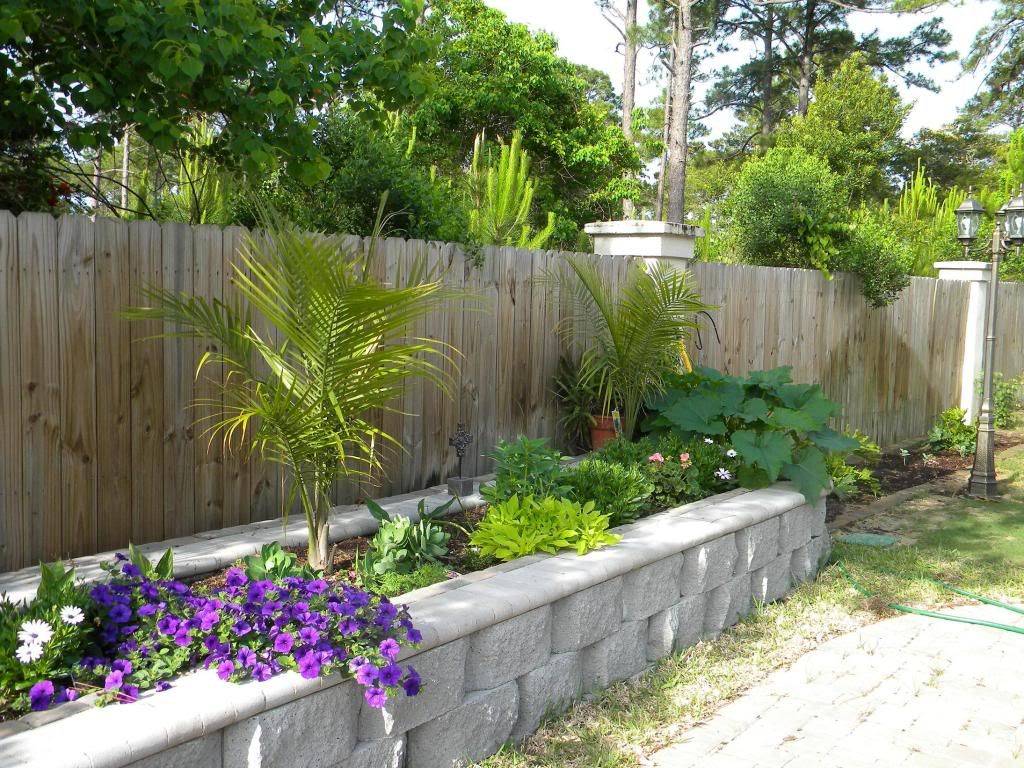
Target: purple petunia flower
{"x": 181, "y": 637}
{"x": 389, "y": 649}
{"x": 390, "y": 675}
{"x": 131, "y": 570}
{"x": 241, "y": 628}
{"x": 123, "y": 666}
{"x": 367, "y": 674}
{"x": 235, "y": 577}
{"x": 225, "y": 669}
{"x": 246, "y": 657}
{"x": 309, "y": 665}
{"x": 119, "y": 614}
{"x": 412, "y": 683}
{"x": 376, "y": 697}
{"x": 113, "y": 680}
{"x": 149, "y": 590}
{"x": 262, "y": 671}
{"x": 283, "y": 642}
{"x": 130, "y": 692}
{"x": 168, "y": 625}
{"x": 40, "y": 695}
{"x": 147, "y": 609}
{"x": 309, "y": 636}
{"x": 414, "y": 636}
{"x": 162, "y": 685}
{"x": 349, "y": 627}
{"x": 317, "y": 587}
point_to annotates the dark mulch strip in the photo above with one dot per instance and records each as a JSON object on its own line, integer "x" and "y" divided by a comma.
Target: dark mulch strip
{"x": 895, "y": 475}
{"x": 460, "y": 558}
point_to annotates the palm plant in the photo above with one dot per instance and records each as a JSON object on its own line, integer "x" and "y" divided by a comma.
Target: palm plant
{"x": 638, "y": 330}
{"x": 323, "y": 346}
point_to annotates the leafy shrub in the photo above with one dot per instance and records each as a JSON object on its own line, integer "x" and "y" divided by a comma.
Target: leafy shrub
{"x": 852, "y": 474}
{"x": 274, "y": 563}
{"x": 41, "y": 640}
{"x": 878, "y": 250}
{"x": 523, "y": 526}
{"x": 621, "y": 450}
{"x": 778, "y": 429}
{"x": 401, "y": 545}
{"x": 617, "y": 490}
{"x": 949, "y": 433}
{"x": 525, "y": 467}
{"x": 1006, "y": 399}
{"x": 391, "y": 584}
{"x": 578, "y": 400}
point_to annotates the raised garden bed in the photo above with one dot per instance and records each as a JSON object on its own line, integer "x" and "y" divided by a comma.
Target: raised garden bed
{"x": 501, "y": 647}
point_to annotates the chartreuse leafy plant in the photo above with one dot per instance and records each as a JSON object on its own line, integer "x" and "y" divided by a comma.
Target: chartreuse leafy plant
{"x": 324, "y": 345}
{"x": 777, "y": 428}
{"x": 402, "y": 546}
{"x": 274, "y": 563}
{"x": 950, "y": 433}
{"x": 524, "y": 526}
{"x": 525, "y": 467}
{"x": 41, "y": 640}
{"x": 639, "y": 328}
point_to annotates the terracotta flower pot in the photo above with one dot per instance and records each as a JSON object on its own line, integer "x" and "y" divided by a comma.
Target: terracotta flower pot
{"x": 601, "y": 431}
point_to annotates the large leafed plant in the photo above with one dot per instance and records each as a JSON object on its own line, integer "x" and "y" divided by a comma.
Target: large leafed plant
{"x": 778, "y": 428}
{"x": 321, "y": 347}
{"x": 637, "y": 329}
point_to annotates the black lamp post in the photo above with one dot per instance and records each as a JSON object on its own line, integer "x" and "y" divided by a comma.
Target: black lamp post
{"x": 1009, "y": 232}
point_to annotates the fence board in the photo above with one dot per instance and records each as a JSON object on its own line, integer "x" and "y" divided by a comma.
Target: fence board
{"x": 15, "y": 528}
{"x": 98, "y": 445}
{"x": 76, "y": 267}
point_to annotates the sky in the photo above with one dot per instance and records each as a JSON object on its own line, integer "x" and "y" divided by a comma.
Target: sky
{"x": 585, "y": 37}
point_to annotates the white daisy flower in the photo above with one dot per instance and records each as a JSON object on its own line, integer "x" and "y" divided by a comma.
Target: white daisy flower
{"x": 29, "y": 652}
{"x": 723, "y": 474}
{"x": 709, "y": 441}
{"x": 72, "y": 614}
{"x": 731, "y": 453}
{"x": 35, "y": 631}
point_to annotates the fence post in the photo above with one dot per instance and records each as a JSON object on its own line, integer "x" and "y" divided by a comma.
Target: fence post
{"x": 977, "y": 274}
{"x": 666, "y": 242}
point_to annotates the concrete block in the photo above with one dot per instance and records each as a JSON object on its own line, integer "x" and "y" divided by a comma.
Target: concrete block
{"x": 443, "y": 670}
{"x": 652, "y": 588}
{"x": 199, "y": 753}
{"x": 585, "y": 617}
{"x": 708, "y": 565}
{"x": 547, "y": 690}
{"x": 619, "y": 656}
{"x": 381, "y": 753}
{"x": 294, "y": 734}
{"x": 507, "y": 650}
{"x": 470, "y": 732}
{"x": 758, "y": 545}
{"x": 819, "y": 548}
{"x": 740, "y": 599}
{"x": 797, "y": 526}
{"x": 716, "y": 611}
{"x": 772, "y": 582}
{"x": 677, "y": 627}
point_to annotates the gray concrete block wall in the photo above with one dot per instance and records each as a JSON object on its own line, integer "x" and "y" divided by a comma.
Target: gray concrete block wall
{"x": 513, "y": 646}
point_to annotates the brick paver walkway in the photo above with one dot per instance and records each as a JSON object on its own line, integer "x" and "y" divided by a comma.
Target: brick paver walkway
{"x": 908, "y": 691}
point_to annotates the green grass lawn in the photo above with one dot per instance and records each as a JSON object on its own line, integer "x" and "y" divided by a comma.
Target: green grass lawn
{"x": 975, "y": 545}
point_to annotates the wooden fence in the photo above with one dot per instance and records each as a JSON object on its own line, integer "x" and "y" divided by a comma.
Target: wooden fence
{"x": 96, "y": 439}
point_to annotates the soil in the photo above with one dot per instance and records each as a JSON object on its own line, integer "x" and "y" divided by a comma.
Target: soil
{"x": 460, "y": 558}
{"x": 894, "y": 473}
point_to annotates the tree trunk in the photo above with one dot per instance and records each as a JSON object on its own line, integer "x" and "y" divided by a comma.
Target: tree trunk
{"x": 629, "y": 87}
{"x": 666, "y": 127}
{"x": 678, "y": 146}
{"x": 125, "y": 165}
{"x": 317, "y": 519}
{"x": 766, "y": 79}
{"x": 806, "y": 58}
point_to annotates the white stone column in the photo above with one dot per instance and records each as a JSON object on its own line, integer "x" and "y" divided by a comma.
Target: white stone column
{"x": 665, "y": 242}
{"x": 977, "y": 274}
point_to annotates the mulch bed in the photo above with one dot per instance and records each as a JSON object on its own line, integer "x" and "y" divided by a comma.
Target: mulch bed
{"x": 460, "y": 558}
{"x": 895, "y": 475}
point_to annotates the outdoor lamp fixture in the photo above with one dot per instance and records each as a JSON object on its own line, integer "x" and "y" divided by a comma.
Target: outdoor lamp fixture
{"x": 460, "y": 486}
{"x": 1008, "y": 233}
{"x": 968, "y": 220}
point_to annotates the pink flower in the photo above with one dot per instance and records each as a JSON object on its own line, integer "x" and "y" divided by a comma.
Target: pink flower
{"x": 656, "y": 457}
{"x": 684, "y": 459}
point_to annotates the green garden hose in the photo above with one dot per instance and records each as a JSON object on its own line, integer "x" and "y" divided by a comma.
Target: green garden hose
{"x": 944, "y": 616}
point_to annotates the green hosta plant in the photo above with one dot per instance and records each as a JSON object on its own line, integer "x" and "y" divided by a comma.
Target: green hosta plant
{"x": 949, "y": 433}
{"x": 401, "y": 545}
{"x": 619, "y": 491}
{"x": 524, "y": 526}
{"x": 777, "y": 428}
{"x": 525, "y": 467}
